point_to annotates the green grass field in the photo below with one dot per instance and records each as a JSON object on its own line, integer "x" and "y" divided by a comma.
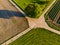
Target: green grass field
{"x": 38, "y": 36}
{"x": 33, "y": 8}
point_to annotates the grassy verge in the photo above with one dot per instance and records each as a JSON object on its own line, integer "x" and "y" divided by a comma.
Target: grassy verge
{"x": 33, "y": 8}
{"x": 38, "y": 36}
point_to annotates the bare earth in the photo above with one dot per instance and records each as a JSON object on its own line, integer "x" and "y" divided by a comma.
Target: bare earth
{"x": 12, "y": 21}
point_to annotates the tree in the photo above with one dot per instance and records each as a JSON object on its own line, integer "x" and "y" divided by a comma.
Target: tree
{"x": 30, "y": 10}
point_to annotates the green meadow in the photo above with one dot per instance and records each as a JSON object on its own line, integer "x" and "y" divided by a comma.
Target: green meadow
{"x": 33, "y": 8}
{"x": 38, "y": 36}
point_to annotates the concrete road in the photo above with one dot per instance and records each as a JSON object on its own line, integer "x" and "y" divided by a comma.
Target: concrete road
{"x": 12, "y": 21}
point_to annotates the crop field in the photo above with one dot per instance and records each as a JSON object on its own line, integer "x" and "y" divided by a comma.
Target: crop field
{"x": 33, "y": 8}
{"x": 38, "y": 36}
{"x": 52, "y": 14}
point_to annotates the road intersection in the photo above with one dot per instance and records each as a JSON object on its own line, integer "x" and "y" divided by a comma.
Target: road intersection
{"x": 34, "y": 23}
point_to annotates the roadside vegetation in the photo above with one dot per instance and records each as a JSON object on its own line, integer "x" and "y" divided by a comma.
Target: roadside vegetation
{"x": 38, "y": 36}
{"x": 33, "y": 8}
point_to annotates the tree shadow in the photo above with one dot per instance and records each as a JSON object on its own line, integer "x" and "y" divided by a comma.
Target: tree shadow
{"x": 7, "y": 14}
